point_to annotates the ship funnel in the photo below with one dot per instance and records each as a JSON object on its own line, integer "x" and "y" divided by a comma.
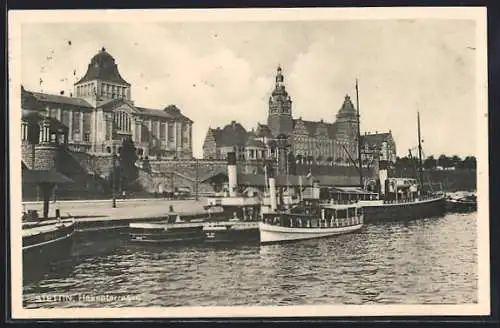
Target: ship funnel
{"x": 382, "y": 175}
{"x": 315, "y": 190}
{"x": 272, "y": 187}
{"x": 272, "y": 194}
{"x": 232, "y": 174}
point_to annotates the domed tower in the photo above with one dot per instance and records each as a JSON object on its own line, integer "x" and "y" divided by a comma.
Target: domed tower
{"x": 280, "y": 108}
{"x": 102, "y": 81}
{"x": 347, "y": 126}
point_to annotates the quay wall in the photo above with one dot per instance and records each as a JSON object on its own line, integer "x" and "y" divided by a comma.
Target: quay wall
{"x": 91, "y": 172}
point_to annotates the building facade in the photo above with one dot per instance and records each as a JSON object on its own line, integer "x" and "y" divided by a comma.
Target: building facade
{"x": 100, "y": 113}
{"x": 380, "y": 145}
{"x": 319, "y": 142}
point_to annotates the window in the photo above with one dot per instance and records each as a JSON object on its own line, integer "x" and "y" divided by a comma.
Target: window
{"x": 65, "y": 118}
{"x": 162, "y": 131}
{"x": 86, "y": 137}
{"x": 76, "y": 122}
{"x": 171, "y": 132}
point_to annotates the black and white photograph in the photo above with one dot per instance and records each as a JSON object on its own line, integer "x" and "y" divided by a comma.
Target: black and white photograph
{"x": 248, "y": 163}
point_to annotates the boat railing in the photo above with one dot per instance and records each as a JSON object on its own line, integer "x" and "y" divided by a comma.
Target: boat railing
{"x": 315, "y": 223}
{"x": 412, "y": 200}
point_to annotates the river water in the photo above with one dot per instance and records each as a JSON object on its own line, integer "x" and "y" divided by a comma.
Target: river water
{"x": 423, "y": 261}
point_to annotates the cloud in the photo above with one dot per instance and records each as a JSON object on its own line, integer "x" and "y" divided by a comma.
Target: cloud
{"x": 220, "y": 72}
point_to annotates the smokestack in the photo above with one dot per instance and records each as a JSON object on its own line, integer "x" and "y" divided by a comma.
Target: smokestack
{"x": 315, "y": 191}
{"x": 272, "y": 187}
{"x": 272, "y": 193}
{"x": 382, "y": 175}
{"x": 232, "y": 173}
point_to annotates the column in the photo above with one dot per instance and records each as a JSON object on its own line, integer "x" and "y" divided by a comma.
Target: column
{"x": 81, "y": 126}
{"x": 70, "y": 125}
{"x": 139, "y": 132}
{"x": 24, "y": 131}
{"x": 132, "y": 127}
{"x": 59, "y": 114}
{"x": 166, "y": 133}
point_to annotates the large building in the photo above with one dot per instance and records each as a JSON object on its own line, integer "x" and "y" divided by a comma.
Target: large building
{"x": 319, "y": 142}
{"x": 100, "y": 113}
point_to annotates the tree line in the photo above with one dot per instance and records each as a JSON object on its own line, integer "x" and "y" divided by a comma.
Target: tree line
{"x": 443, "y": 161}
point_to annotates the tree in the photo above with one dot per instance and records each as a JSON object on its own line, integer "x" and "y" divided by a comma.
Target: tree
{"x": 330, "y": 160}
{"x": 430, "y": 163}
{"x": 127, "y": 159}
{"x": 455, "y": 161}
{"x": 470, "y": 163}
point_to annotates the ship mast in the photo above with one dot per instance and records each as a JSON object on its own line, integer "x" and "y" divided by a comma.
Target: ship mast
{"x": 360, "y": 163}
{"x": 420, "y": 171}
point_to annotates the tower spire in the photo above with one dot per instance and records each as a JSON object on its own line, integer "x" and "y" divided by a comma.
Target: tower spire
{"x": 279, "y": 77}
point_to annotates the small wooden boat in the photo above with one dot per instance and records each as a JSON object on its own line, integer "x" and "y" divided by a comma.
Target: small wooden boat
{"x": 461, "y": 203}
{"x": 47, "y": 242}
{"x": 171, "y": 231}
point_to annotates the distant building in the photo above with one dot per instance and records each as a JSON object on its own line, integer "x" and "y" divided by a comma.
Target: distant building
{"x": 381, "y": 143}
{"x": 317, "y": 142}
{"x": 100, "y": 113}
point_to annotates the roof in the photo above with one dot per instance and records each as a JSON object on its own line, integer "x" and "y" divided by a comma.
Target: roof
{"x": 376, "y": 139}
{"x": 57, "y": 99}
{"x": 347, "y": 109}
{"x": 44, "y": 176}
{"x": 312, "y": 126}
{"x": 168, "y": 112}
{"x": 102, "y": 67}
{"x": 263, "y": 130}
{"x": 231, "y": 135}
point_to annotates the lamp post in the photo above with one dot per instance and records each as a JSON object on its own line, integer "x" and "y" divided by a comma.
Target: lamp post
{"x": 114, "y": 176}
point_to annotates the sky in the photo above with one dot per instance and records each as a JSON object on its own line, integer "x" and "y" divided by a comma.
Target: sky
{"x": 216, "y": 72}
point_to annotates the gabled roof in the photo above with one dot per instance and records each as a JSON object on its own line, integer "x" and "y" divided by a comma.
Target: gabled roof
{"x": 102, "y": 67}
{"x": 262, "y": 130}
{"x": 57, "y": 99}
{"x": 233, "y": 134}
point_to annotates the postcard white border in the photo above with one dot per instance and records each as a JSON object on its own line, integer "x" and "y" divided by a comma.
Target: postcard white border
{"x": 17, "y": 18}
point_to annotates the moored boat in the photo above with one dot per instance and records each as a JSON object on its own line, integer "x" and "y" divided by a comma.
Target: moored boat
{"x": 333, "y": 220}
{"x": 307, "y": 220}
{"x": 171, "y": 231}
{"x": 461, "y": 202}
{"x": 46, "y": 242}
{"x": 240, "y": 217}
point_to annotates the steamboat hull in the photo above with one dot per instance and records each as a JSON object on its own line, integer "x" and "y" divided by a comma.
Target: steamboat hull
{"x": 272, "y": 234}
{"x": 145, "y": 233}
{"x": 232, "y": 233}
{"x": 40, "y": 250}
{"x": 404, "y": 211}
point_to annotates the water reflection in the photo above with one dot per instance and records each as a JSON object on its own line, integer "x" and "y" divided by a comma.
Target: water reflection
{"x": 424, "y": 261}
